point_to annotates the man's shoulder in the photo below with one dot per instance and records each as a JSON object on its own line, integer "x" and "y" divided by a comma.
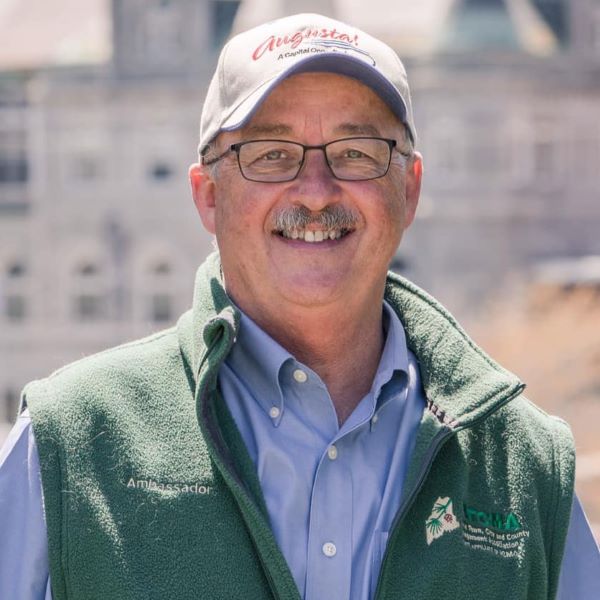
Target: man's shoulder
{"x": 526, "y": 418}
{"x": 530, "y": 435}
{"x": 135, "y": 365}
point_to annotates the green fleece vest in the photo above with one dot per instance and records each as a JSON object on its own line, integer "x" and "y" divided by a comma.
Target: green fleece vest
{"x": 150, "y": 493}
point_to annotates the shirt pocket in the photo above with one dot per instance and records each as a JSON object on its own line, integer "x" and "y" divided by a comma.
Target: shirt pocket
{"x": 380, "y": 539}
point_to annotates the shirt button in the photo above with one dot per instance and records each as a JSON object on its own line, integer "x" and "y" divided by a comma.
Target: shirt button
{"x": 374, "y": 419}
{"x": 274, "y": 412}
{"x": 329, "y": 549}
{"x": 300, "y": 376}
{"x": 332, "y": 452}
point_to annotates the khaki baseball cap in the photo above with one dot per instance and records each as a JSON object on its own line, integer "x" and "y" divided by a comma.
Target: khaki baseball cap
{"x": 254, "y": 62}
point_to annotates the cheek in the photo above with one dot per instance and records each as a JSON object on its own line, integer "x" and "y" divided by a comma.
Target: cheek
{"x": 238, "y": 214}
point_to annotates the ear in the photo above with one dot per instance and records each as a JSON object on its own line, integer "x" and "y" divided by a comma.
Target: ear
{"x": 414, "y": 174}
{"x": 203, "y": 192}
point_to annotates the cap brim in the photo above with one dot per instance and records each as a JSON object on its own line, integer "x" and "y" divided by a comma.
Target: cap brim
{"x": 328, "y": 63}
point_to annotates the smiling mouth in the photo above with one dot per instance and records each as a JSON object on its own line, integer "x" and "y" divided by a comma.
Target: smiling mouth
{"x": 312, "y": 237}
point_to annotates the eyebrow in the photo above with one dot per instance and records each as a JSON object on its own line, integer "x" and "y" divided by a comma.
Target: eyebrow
{"x": 358, "y": 129}
{"x": 268, "y": 129}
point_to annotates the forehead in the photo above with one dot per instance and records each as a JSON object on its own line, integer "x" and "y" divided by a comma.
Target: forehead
{"x": 326, "y": 101}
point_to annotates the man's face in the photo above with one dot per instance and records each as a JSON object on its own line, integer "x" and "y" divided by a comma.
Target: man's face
{"x": 261, "y": 266}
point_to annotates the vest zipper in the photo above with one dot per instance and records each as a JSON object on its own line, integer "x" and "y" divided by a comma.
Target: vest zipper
{"x": 437, "y": 442}
{"x": 204, "y": 397}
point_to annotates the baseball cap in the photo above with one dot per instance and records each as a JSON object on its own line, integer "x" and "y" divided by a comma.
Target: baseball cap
{"x": 254, "y": 62}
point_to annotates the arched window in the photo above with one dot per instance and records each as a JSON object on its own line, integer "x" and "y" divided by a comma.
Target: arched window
{"x": 13, "y": 291}
{"x": 160, "y": 297}
{"x": 90, "y": 301}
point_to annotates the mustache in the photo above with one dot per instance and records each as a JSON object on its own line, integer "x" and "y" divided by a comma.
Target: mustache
{"x": 333, "y": 216}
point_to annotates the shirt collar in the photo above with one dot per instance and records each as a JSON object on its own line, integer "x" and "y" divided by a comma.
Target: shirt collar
{"x": 394, "y": 357}
{"x": 257, "y": 359}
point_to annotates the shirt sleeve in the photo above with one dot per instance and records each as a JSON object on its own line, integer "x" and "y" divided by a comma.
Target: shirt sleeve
{"x": 580, "y": 569}
{"x": 24, "y": 548}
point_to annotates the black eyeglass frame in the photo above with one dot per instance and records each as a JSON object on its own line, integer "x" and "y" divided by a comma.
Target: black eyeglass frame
{"x": 236, "y": 148}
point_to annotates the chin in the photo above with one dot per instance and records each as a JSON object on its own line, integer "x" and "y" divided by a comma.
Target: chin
{"x": 312, "y": 291}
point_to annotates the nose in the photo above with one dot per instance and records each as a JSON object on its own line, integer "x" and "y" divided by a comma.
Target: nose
{"x": 316, "y": 187}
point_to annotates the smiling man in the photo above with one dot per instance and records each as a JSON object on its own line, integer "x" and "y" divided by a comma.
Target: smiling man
{"x": 309, "y": 221}
{"x": 313, "y": 427}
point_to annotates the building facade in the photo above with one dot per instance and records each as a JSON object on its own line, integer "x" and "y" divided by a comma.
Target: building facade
{"x": 99, "y": 237}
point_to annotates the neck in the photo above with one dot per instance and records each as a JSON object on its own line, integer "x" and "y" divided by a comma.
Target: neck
{"x": 342, "y": 344}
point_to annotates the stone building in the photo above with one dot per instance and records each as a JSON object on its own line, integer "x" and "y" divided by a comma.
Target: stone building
{"x": 507, "y": 102}
{"x": 99, "y": 239}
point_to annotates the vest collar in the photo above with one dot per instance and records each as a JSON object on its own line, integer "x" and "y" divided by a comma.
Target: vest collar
{"x": 461, "y": 382}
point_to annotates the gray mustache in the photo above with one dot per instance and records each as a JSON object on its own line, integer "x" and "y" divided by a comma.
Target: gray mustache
{"x": 331, "y": 217}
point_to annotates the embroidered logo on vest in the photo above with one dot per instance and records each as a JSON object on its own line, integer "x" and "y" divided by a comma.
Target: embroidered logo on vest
{"x": 500, "y": 533}
{"x": 441, "y": 520}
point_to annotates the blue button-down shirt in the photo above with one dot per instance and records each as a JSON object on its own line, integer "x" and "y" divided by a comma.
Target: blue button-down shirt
{"x": 331, "y": 491}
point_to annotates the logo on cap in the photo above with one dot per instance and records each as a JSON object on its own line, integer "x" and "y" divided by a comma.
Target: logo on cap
{"x": 312, "y": 40}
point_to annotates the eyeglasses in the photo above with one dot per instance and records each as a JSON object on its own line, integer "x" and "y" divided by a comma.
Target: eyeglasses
{"x": 277, "y": 161}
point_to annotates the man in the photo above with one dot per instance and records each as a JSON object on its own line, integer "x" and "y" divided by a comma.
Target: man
{"x": 313, "y": 427}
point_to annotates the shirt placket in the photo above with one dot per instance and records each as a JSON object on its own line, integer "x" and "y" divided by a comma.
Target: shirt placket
{"x": 329, "y": 557}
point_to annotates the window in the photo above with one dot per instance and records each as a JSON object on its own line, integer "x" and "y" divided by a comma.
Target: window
{"x": 15, "y": 307}
{"x": 158, "y": 295}
{"x": 223, "y": 14}
{"x": 162, "y": 33}
{"x": 14, "y": 300}
{"x": 160, "y": 308}
{"x": 89, "y": 307}
{"x": 13, "y": 159}
{"x": 547, "y": 156}
{"x": 16, "y": 270}
{"x": 162, "y": 268}
{"x": 11, "y": 405}
{"x": 161, "y": 171}
{"x": 86, "y": 167}
{"x": 587, "y": 156}
{"x": 445, "y": 149}
{"x": 89, "y": 298}
{"x": 541, "y": 151}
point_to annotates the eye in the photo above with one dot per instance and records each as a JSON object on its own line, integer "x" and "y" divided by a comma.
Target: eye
{"x": 353, "y": 153}
{"x": 274, "y": 155}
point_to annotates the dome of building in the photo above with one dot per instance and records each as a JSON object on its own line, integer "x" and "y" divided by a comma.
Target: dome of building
{"x": 506, "y": 26}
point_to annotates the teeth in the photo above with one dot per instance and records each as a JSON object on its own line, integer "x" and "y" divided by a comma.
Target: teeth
{"x": 312, "y": 237}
